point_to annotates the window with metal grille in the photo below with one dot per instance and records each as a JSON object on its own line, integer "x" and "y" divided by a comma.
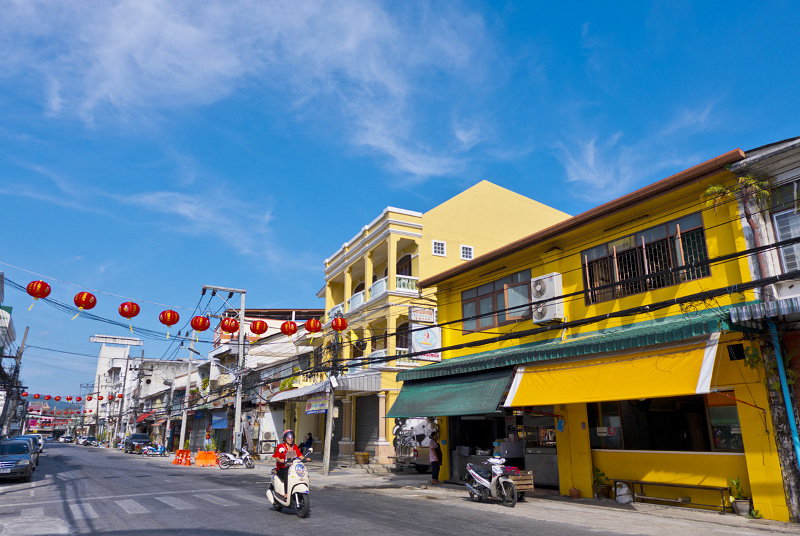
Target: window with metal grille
{"x": 439, "y": 248}
{"x": 466, "y": 253}
{"x": 654, "y": 258}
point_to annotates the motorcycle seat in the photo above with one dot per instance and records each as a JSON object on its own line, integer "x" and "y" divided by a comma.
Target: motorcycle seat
{"x": 482, "y": 472}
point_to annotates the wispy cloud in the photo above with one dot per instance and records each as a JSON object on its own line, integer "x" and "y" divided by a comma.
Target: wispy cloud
{"x": 133, "y": 58}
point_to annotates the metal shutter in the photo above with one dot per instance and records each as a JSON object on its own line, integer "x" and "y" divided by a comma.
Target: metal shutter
{"x": 337, "y": 428}
{"x": 367, "y": 410}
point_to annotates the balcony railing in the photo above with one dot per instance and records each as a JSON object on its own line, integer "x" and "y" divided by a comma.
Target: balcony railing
{"x": 355, "y": 301}
{"x": 378, "y": 288}
{"x": 405, "y": 282}
{"x": 336, "y": 309}
{"x": 377, "y": 354}
{"x": 410, "y": 362}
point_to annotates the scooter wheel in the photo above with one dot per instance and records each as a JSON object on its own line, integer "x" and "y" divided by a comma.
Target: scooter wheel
{"x": 474, "y": 496}
{"x": 509, "y": 494}
{"x": 250, "y": 464}
{"x": 304, "y": 507}
{"x": 224, "y": 463}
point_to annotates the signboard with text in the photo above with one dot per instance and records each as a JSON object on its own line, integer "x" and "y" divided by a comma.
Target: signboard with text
{"x": 317, "y": 404}
{"x": 427, "y": 340}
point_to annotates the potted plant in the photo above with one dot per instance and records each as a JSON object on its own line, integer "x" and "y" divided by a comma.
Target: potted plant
{"x": 741, "y": 504}
{"x": 600, "y": 486}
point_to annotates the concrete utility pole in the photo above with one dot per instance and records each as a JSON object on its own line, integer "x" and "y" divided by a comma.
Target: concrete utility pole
{"x": 184, "y": 414}
{"x": 139, "y": 375}
{"x": 326, "y": 454}
{"x": 169, "y": 408}
{"x": 237, "y": 424}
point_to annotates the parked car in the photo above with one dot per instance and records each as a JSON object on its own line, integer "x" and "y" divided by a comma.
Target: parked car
{"x": 80, "y": 439}
{"x": 89, "y": 441}
{"x": 33, "y": 444}
{"x": 66, "y": 438}
{"x": 15, "y": 460}
{"x": 38, "y": 439}
{"x": 135, "y": 442}
{"x": 49, "y": 439}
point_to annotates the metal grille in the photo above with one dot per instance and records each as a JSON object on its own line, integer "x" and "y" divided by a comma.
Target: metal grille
{"x": 694, "y": 250}
{"x": 599, "y": 275}
{"x": 630, "y": 267}
{"x": 659, "y": 258}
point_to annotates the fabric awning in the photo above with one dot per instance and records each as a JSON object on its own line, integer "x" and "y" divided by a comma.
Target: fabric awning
{"x": 300, "y": 392}
{"x": 464, "y": 394}
{"x": 683, "y": 370}
{"x": 144, "y": 416}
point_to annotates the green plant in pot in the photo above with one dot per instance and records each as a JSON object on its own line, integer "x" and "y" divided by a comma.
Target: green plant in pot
{"x": 741, "y": 504}
{"x": 600, "y": 485}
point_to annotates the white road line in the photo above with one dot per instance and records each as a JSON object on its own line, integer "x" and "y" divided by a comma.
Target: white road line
{"x": 30, "y": 492}
{"x": 175, "y": 503}
{"x": 214, "y": 499}
{"x": 261, "y": 500}
{"x": 106, "y": 497}
{"x": 83, "y": 511}
{"x": 32, "y": 513}
{"x": 132, "y": 507}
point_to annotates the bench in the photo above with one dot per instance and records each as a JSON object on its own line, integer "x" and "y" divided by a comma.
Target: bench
{"x": 723, "y": 491}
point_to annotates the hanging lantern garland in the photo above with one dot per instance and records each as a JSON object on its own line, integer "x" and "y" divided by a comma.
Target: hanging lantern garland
{"x": 38, "y": 289}
{"x": 288, "y": 328}
{"x": 128, "y": 310}
{"x": 339, "y": 324}
{"x": 200, "y": 323}
{"x": 259, "y": 327}
{"x": 229, "y": 325}
{"x": 84, "y": 301}
{"x": 313, "y": 326}
{"x": 57, "y": 399}
{"x": 169, "y": 318}
{"x": 24, "y": 394}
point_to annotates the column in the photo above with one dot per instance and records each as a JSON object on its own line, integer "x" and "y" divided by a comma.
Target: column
{"x": 369, "y": 267}
{"x": 367, "y": 340}
{"x": 328, "y": 298}
{"x": 391, "y": 283}
{"x": 383, "y": 449}
{"x": 346, "y": 443}
{"x": 348, "y": 286}
{"x": 391, "y": 330}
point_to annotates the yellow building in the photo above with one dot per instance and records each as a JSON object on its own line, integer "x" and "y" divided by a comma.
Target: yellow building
{"x": 602, "y": 344}
{"x": 372, "y": 282}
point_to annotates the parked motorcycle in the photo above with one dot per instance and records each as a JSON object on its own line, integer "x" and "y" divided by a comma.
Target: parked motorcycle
{"x": 492, "y": 482}
{"x": 227, "y": 459}
{"x": 296, "y": 483}
{"x": 150, "y": 450}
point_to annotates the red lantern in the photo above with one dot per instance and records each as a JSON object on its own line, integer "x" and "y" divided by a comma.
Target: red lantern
{"x": 339, "y": 324}
{"x": 313, "y": 325}
{"x": 259, "y": 327}
{"x": 52, "y": 413}
{"x": 72, "y": 413}
{"x": 38, "y": 289}
{"x": 24, "y": 394}
{"x": 69, "y": 399}
{"x": 289, "y": 328}
{"x": 89, "y": 397}
{"x": 90, "y": 411}
{"x": 119, "y": 395}
{"x": 36, "y": 396}
{"x": 100, "y": 397}
{"x": 84, "y": 411}
{"x": 200, "y": 323}
{"x": 47, "y": 397}
{"x": 84, "y": 301}
{"x": 56, "y": 399}
{"x": 58, "y": 413}
{"x": 169, "y": 318}
{"x": 229, "y": 325}
{"x": 128, "y": 310}
{"x": 78, "y": 399}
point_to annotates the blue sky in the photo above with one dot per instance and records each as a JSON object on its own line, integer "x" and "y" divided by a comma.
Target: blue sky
{"x": 149, "y": 147}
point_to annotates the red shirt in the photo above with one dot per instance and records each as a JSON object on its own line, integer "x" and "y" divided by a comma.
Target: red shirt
{"x": 280, "y": 453}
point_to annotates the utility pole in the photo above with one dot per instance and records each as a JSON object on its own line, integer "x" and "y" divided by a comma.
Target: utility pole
{"x": 169, "y": 408}
{"x": 139, "y": 374}
{"x": 237, "y": 424}
{"x": 326, "y": 454}
{"x": 124, "y": 384}
{"x": 184, "y": 414}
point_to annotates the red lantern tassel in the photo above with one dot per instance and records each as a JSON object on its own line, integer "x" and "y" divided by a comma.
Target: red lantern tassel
{"x": 31, "y": 306}
{"x": 79, "y": 312}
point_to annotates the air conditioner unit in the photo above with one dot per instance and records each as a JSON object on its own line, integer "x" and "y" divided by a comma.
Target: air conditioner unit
{"x": 267, "y": 448}
{"x": 543, "y": 290}
{"x": 266, "y": 436}
{"x": 785, "y": 290}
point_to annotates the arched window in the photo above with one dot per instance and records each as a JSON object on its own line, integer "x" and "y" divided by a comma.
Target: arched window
{"x": 404, "y": 266}
{"x": 358, "y": 288}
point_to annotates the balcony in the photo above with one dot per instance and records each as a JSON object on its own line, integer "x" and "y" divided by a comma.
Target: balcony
{"x": 401, "y": 362}
{"x": 336, "y": 309}
{"x": 378, "y": 288}
{"x": 408, "y": 283}
{"x": 356, "y": 301}
{"x": 377, "y": 354}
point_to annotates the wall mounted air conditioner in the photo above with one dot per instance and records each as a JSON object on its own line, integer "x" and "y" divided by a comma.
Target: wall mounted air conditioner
{"x": 267, "y": 447}
{"x": 543, "y": 290}
{"x": 784, "y": 290}
{"x": 266, "y": 436}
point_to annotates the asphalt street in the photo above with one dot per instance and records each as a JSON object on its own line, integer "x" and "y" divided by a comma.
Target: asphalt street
{"x": 87, "y": 490}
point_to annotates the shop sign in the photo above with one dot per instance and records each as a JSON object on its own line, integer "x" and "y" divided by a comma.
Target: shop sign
{"x": 422, "y": 314}
{"x": 317, "y": 404}
{"x": 426, "y": 341}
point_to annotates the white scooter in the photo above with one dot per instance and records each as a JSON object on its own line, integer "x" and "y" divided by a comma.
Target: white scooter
{"x": 297, "y": 484}
{"x": 484, "y": 483}
{"x": 227, "y": 460}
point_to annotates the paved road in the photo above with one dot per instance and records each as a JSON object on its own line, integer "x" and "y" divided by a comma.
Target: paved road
{"x": 85, "y": 490}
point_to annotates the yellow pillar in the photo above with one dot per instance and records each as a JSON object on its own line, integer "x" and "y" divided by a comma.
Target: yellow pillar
{"x": 369, "y": 268}
{"x": 574, "y": 452}
{"x": 445, "y": 443}
{"x": 348, "y": 286}
{"x": 391, "y": 282}
{"x": 383, "y": 449}
{"x": 391, "y": 329}
{"x": 328, "y": 298}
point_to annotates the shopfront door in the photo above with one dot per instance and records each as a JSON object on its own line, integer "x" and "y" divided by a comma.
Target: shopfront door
{"x": 366, "y": 429}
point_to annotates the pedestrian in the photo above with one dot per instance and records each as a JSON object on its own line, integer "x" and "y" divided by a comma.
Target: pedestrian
{"x": 309, "y": 442}
{"x": 435, "y": 456}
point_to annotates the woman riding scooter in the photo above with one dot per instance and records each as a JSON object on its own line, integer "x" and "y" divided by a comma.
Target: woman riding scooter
{"x": 287, "y": 447}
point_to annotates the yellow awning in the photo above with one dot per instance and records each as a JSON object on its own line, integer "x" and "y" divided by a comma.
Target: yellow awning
{"x": 678, "y": 371}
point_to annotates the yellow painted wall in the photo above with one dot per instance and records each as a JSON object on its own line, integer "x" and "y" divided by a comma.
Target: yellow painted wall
{"x": 574, "y": 455}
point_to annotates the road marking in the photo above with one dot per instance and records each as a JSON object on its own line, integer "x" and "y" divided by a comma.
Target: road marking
{"x": 214, "y": 499}
{"x": 83, "y": 511}
{"x": 106, "y": 497}
{"x": 132, "y": 507}
{"x": 32, "y": 513}
{"x": 30, "y": 492}
{"x": 175, "y": 503}
{"x": 251, "y": 498}
{"x": 62, "y": 477}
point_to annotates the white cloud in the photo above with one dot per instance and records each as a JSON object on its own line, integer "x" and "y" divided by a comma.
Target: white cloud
{"x": 344, "y": 60}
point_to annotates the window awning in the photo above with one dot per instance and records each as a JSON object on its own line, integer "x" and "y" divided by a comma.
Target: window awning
{"x": 683, "y": 370}
{"x": 300, "y": 392}
{"x": 144, "y": 416}
{"x": 464, "y": 394}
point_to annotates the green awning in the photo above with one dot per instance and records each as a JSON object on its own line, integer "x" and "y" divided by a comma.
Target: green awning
{"x": 463, "y": 394}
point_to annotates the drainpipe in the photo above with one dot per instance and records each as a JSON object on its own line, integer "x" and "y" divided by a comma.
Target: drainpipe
{"x": 785, "y": 388}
